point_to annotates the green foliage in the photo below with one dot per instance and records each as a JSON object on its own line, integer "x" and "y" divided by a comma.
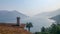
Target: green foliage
{"x": 53, "y": 29}
{"x": 44, "y": 33}
{"x": 37, "y": 32}
{"x": 29, "y": 25}
{"x": 41, "y": 33}
{"x": 43, "y": 29}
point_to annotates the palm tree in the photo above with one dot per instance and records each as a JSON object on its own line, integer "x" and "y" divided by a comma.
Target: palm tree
{"x": 29, "y": 25}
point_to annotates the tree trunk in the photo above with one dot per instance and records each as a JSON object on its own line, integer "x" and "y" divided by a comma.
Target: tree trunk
{"x": 29, "y": 28}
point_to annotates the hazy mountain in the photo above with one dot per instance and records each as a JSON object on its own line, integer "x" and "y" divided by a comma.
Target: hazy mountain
{"x": 10, "y": 16}
{"x": 42, "y": 19}
{"x": 55, "y": 13}
{"x": 49, "y": 14}
{"x": 56, "y": 19}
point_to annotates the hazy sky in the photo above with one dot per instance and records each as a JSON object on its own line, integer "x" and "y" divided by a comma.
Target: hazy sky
{"x": 30, "y": 7}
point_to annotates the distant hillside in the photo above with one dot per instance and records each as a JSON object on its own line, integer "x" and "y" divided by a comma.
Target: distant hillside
{"x": 56, "y": 19}
{"x": 48, "y": 14}
{"x": 54, "y": 13}
{"x": 10, "y": 16}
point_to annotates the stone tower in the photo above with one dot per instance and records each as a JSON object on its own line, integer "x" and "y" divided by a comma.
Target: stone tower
{"x": 18, "y": 21}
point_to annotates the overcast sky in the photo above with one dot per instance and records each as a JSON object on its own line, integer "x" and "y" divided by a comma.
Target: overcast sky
{"x": 30, "y": 7}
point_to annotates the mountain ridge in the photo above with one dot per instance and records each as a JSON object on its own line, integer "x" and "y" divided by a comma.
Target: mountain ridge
{"x": 6, "y": 15}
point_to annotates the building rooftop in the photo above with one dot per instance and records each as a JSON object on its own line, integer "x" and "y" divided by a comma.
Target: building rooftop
{"x": 12, "y": 30}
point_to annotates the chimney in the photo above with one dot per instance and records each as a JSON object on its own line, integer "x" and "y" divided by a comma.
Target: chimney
{"x": 18, "y": 21}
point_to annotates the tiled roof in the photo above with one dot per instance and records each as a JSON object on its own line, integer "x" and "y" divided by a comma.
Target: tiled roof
{"x": 12, "y": 30}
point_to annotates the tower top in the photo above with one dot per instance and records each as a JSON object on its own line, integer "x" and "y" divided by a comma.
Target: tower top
{"x": 18, "y": 17}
